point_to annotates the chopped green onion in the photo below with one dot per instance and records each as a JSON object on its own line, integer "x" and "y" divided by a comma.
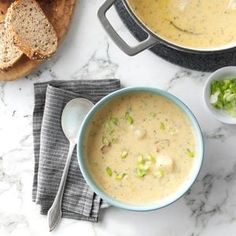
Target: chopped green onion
{"x": 105, "y": 141}
{"x": 114, "y": 120}
{"x": 150, "y": 158}
{"x": 141, "y": 172}
{"x": 114, "y": 140}
{"x": 141, "y": 166}
{"x": 109, "y": 171}
{"x": 141, "y": 159}
{"x": 159, "y": 173}
{"x": 190, "y": 153}
{"x": 142, "y": 169}
{"x": 109, "y": 125}
{"x": 147, "y": 165}
{"x": 120, "y": 176}
{"x": 223, "y": 95}
{"x": 124, "y": 154}
{"x": 129, "y": 118}
{"x": 144, "y": 166}
{"x": 162, "y": 126}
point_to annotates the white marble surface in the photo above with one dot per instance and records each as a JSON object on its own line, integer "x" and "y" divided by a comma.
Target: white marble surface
{"x": 87, "y": 53}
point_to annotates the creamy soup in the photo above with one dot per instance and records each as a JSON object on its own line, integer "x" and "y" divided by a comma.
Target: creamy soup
{"x": 140, "y": 148}
{"x": 191, "y": 23}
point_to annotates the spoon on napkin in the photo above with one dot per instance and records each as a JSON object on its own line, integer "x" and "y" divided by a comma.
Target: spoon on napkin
{"x": 71, "y": 120}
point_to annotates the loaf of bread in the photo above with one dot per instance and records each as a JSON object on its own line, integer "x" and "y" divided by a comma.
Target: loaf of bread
{"x": 32, "y": 33}
{"x": 9, "y": 53}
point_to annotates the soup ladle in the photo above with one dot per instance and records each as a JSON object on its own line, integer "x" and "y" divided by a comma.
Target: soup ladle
{"x": 71, "y": 120}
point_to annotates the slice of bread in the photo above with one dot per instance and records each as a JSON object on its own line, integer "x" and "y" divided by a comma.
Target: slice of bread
{"x": 31, "y": 30}
{"x": 9, "y": 53}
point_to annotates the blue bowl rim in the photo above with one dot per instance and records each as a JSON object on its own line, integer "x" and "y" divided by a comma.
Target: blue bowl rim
{"x": 107, "y": 99}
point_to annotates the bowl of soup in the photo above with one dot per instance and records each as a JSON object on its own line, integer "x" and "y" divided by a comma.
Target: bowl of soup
{"x": 189, "y": 25}
{"x": 140, "y": 148}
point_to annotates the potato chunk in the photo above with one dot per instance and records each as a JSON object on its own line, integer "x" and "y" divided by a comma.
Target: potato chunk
{"x": 165, "y": 163}
{"x": 140, "y": 133}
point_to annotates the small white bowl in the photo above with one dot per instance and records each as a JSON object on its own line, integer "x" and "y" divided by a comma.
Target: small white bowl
{"x": 220, "y": 74}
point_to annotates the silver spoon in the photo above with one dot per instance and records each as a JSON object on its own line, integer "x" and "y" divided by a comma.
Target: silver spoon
{"x": 71, "y": 120}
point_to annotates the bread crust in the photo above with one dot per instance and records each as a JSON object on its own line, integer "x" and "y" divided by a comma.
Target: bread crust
{"x": 4, "y": 66}
{"x": 22, "y": 44}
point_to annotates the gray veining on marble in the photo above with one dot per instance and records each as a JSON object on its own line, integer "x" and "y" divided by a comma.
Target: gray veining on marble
{"x": 97, "y": 67}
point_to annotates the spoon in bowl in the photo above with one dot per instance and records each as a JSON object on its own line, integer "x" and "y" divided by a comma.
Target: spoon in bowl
{"x": 71, "y": 120}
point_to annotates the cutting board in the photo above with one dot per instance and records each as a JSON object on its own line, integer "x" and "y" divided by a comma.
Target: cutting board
{"x": 59, "y": 13}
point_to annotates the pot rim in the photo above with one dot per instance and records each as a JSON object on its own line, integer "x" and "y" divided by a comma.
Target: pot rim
{"x": 170, "y": 44}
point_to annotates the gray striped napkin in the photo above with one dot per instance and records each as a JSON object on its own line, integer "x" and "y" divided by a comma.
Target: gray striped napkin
{"x": 51, "y": 147}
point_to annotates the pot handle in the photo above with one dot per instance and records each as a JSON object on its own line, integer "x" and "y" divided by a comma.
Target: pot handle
{"x": 131, "y": 51}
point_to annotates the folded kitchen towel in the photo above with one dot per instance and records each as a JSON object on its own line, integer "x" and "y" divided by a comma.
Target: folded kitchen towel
{"x": 51, "y": 147}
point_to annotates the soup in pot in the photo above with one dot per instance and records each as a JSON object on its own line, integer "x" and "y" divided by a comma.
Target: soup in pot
{"x": 140, "y": 148}
{"x": 198, "y": 24}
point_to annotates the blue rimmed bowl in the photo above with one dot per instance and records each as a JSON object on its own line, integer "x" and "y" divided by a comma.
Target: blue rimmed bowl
{"x": 160, "y": 203}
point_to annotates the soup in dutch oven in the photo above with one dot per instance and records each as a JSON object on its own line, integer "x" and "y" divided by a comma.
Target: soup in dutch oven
{"x": 198, "y": 24}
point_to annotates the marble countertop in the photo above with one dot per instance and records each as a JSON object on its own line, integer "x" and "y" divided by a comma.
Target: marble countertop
{"x": 208, "y": 209}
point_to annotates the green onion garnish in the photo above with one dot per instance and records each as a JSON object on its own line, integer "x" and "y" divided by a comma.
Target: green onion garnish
{"x": 150, "y": 158}
{"x": 162, "y": 126}
{"x": 120, "y": 176}
{"x": 114, "y": 140}
{"x": 129, "y": 118}
{"x": 143, "y": 167}
{"x": 141, "y": 172}
{"x": 190, "y": 153}
{"x": 114, "y": 120}
{"x": 109, "y": 127}
{"x": 105, "y": 141}
{"x": 144, "y": 164}
{"x": 141, "y": 159}
{"x": 109, "y": 171}
{"x": 223, "y": 95}
{"x": 159, "y": 173}
{"x": 124, "y": 154}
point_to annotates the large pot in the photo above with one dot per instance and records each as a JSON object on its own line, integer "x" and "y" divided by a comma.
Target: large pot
{"x": 152, "y": 38}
